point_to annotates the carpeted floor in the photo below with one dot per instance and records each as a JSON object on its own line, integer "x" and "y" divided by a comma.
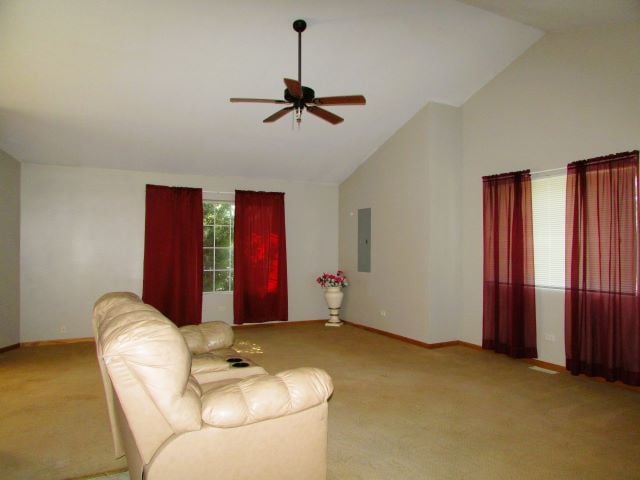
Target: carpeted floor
{"x": 109, "y": 476}
{"x": 398, "y": 411}
{"x": 53, "y": 420}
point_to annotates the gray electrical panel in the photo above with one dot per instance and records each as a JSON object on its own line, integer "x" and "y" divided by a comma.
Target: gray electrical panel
{"x": 364, "y": 240}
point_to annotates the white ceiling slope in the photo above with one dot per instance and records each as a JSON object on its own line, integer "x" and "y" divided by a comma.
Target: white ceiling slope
{"x": 561, "y": 15}
{"x": 145, "y": 84}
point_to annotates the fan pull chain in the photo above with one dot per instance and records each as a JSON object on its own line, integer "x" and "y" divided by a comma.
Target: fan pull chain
{"x": 296, "y": 120}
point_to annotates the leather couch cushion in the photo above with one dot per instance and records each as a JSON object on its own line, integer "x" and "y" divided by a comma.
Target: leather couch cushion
{"x": 110, "y": 300}
{"x": 146, "y": 347}
{"x": 207, "y": 336}
{"x": 122, "y": 309}
{"x": 265, "y": 396}
{"x": 208, "y": 363}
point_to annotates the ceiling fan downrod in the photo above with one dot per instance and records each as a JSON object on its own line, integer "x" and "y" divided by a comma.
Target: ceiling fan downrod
{"x": 299, "y": 26}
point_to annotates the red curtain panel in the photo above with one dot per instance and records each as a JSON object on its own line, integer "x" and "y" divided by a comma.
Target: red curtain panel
{"x": 172, "y": 279}
{"x": 602, "y": 321}
{"x": 260, "y": 258}
{"x": 509, "y": 301}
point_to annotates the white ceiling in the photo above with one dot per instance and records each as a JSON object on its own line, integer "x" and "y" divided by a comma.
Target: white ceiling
{"x": 561, "y": 15}
{"x": 145, "y": 84}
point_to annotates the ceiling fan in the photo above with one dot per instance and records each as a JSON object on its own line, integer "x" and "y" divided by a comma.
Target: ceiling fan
{"x": 300, "y": 97}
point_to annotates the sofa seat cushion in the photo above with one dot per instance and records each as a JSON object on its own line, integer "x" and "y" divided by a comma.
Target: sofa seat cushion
{"x": 263, "y": 397}
{"x": 223, "y": 364}
{"x": 209, "y": 362}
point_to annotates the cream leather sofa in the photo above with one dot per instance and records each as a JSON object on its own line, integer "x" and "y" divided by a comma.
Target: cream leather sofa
{"x": 209, "y": 343}
{"x": 240, "y": 424}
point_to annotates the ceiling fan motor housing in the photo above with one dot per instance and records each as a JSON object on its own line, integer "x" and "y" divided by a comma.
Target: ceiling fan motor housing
{"x": 307, "y": 95}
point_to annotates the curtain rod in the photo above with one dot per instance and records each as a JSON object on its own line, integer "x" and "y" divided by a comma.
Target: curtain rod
{"x": 533, "y": 174}
{"x": 218, "y": 193}
{"x": 605, "y": 158}
{"x": 550, "y": 170}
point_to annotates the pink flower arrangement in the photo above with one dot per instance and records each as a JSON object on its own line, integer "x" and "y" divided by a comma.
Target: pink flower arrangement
{"x": 331, "y": 280}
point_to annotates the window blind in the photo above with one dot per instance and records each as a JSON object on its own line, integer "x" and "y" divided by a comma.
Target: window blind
{"x": 548, "y": 204}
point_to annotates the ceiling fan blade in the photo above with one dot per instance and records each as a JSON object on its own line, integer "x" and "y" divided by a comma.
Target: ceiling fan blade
{"x": 341, "y": 100}
{"x": 279, "y": 114}
{"x": 294, "y": 87}
{"x": 325, "y": 115}
{"x": 255, "y": 100}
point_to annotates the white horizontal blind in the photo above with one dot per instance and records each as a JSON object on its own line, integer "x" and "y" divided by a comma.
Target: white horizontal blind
{"x": 548, "y": 202}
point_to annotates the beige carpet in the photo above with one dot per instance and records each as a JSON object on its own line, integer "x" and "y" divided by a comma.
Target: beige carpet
{"x": 53, "y": 420}
{"x": 398, "y": 411}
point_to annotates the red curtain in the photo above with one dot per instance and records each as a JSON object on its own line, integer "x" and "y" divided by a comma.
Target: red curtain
{"x": 260, "y": 258}
{"x": 509, "y": 300}
{"x": 172, "y": 279}
{"x": 602, "y": 322}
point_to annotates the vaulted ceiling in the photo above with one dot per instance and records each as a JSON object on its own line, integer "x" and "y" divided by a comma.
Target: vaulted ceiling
{"x": 145, "y": 84}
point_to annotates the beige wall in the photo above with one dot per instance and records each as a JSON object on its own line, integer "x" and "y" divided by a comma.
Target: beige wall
{"x": 411, "y": 186}
{"x": 83, "y": 235}
{"x": 570, "y": 96}
{"x": 444, "y": 137}
{"x": 9, "y": 250}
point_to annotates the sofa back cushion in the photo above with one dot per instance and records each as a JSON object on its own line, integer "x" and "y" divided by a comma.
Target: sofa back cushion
{"x": 205, "y": 337}
{"x": 105, "y": 308}
{"x": 106, "y": 302}
{"x": 144, "y": 351}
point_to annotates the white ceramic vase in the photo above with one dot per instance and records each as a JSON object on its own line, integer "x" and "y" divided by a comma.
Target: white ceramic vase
{"x": 333, "y": 296}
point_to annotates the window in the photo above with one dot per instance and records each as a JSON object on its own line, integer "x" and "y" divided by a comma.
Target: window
{"x": 548, "y": 204}
{"x": 218, "y": 246}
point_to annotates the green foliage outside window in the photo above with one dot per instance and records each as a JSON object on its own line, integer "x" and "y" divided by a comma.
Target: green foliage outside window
{"x": 218, "y": 247}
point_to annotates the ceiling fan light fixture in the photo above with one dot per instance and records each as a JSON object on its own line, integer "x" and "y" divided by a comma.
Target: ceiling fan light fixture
{"x": 301, "y": 97}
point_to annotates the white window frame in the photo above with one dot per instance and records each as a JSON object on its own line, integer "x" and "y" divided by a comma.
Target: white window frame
{"x": 214, "y": 248}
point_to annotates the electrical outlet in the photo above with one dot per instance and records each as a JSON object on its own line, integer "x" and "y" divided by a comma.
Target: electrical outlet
{"x": 222, "y": 308}
{"x": 383, "y": 313}
{"x": 549, "y": 337}
{"x": 63, "y": 329}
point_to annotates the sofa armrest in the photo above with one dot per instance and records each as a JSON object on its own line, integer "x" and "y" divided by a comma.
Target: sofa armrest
{"x": 208, "y": 336}
{"x": 265, "y": 396}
